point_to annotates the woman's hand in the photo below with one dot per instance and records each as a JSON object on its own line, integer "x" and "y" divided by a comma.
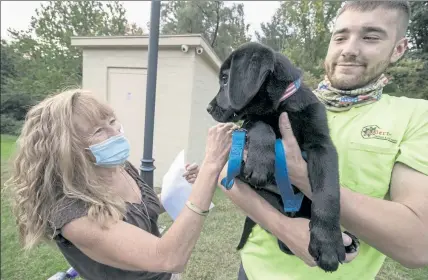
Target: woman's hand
{"x": 192, "y": 170}
{"x": 298, "y": 241}
{"x": 218, "y": 145}
{"x": 191, "y": 173}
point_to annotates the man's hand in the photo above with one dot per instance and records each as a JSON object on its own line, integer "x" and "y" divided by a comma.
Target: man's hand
{"x": 297, "y": 167}
{"x": 299, "y": 241}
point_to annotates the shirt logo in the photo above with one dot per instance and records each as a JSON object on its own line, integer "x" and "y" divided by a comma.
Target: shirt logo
{"x": 375, "y": 132}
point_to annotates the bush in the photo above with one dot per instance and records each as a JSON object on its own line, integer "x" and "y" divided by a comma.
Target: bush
{"x": 10, "y": 125}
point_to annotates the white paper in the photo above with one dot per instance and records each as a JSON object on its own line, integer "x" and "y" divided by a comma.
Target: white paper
{"x": 175, "y": 188}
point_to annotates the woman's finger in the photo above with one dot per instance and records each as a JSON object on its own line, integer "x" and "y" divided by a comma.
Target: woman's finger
{"x": 192, "y": 167}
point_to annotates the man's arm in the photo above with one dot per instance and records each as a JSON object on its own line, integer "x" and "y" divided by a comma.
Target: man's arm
{"x": 292, "y": 231}
{"x": 397, "y": 228}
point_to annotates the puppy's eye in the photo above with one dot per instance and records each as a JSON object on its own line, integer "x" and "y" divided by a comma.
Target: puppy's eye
{"x": 224, "y": 78}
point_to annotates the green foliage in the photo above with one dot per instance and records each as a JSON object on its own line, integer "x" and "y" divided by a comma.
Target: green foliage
{"x": 418, "y": 29}
{"x": 301, "y": 25}
{"x": 274, "y": 33}
{"x": 10, "y": 125}
{"x": 47, "y": 43}
{"x": 40, "y": 60}
{"x": 8, "y": 58}
{"x": 409, "y": 78}
{"x": 223, "y": 26}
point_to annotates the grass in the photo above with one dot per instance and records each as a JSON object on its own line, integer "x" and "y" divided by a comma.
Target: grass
{"x": 214, "y": 257}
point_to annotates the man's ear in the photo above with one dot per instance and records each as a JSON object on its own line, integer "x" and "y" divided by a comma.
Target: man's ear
{"x": 248, "y": 70}
{"x": 399, "y": 50}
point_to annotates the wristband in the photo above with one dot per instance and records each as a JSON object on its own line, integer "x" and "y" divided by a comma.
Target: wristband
{"x": 196, "y": 209}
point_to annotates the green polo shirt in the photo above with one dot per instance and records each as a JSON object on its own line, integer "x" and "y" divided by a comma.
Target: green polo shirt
{"x": 369, "y": 140}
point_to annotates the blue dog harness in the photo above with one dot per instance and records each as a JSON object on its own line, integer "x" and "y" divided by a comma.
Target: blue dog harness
{"x": 235, "y": 157}
{"x": 292, "y": 202}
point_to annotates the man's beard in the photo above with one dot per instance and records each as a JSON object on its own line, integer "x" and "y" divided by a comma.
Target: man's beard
{"x": 368, "y": 76}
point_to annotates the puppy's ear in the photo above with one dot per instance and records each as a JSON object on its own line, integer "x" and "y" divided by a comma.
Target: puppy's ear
{"x": 248, "y": 71}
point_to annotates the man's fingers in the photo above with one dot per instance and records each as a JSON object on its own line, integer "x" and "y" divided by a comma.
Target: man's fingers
{"x": 285, "y": 127}
{"x": 351, "y": 256}
{"x": 347, "y": 240}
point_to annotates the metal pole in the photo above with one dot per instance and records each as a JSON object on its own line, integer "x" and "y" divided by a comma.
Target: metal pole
{"x": 147, "y": 168}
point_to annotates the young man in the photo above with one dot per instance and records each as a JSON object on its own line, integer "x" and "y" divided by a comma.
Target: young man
{"x": 382, "y": 142}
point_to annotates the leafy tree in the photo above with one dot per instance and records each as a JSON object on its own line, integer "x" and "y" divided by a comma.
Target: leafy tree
{"x": 8, "y": 58}
{"x": 274, "y": 33}
{"x": 418, "y": 28}
{"x": 223, "y": 26}
{"x": 53, "y": 27}
{"x": 303, "y": 25}
{"x": 13, "y": 105}
{"x": 409, "y": 78}
{"x": 46, "y": 60}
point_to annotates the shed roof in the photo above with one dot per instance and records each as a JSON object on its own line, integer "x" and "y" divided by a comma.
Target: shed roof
{"x": 165, "y": 42}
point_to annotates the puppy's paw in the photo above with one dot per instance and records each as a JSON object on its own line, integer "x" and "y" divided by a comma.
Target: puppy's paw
{"x": 259, "y": 169}
{"x": 326, "y": 247}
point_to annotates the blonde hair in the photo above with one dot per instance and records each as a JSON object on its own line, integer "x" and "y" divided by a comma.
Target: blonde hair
{"x": 51, "y": 165}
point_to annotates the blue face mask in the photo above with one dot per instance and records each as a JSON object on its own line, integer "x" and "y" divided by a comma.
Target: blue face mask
{"x": 111, "y": 152}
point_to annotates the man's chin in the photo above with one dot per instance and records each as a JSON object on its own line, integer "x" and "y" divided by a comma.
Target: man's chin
{"x": 345, "y": 82}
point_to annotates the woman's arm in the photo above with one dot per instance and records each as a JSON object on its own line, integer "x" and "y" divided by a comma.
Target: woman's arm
{"x": 190, "y": 176}
{"x": 125, "y": 246}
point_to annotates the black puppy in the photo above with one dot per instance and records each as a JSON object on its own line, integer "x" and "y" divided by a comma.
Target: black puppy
{"x": 253, "y": 83}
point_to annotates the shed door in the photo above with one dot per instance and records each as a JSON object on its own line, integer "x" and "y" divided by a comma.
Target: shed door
{"x": 126, "y": 94}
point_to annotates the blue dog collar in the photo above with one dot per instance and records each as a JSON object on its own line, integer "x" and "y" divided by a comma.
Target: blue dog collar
{"x": 292, "y": 202}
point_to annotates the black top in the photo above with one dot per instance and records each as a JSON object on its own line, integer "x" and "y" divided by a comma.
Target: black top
{"x": 136, "y": 215}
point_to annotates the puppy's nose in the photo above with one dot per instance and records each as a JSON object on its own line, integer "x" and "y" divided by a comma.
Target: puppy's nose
{"x": 209, "y": 108}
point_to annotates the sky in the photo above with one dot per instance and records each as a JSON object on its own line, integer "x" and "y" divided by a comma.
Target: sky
{"x": 17, "y": 14}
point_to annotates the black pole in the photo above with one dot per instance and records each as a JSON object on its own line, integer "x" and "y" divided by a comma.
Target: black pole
{"x": 147, "y": 168}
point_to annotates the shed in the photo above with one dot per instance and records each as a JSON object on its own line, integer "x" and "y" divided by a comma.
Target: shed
{"x": 115, "y": 70}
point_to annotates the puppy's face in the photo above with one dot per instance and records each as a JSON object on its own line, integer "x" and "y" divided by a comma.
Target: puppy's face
{"x": 247, "y": 84}
{"x": 220, "y": 107}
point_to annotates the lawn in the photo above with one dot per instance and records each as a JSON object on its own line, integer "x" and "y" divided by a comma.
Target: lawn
{"x": 214, "y": 257}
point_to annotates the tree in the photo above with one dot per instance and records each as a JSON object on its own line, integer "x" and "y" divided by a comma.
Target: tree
{"x": 274, "y": 33}
{"x": 55, "y": 24}
{"x": 222, "y": 26}
{"x": 303, "y": 25}
{"x": 418, "y": 28}
{"x": 46, "y": 62}
{"x": 8, "y": 58}
{"x": 13, "y": 106}
{"x": 409, "y": 77}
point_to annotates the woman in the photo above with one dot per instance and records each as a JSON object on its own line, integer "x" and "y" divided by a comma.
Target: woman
{"x": 73, "y": 185}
